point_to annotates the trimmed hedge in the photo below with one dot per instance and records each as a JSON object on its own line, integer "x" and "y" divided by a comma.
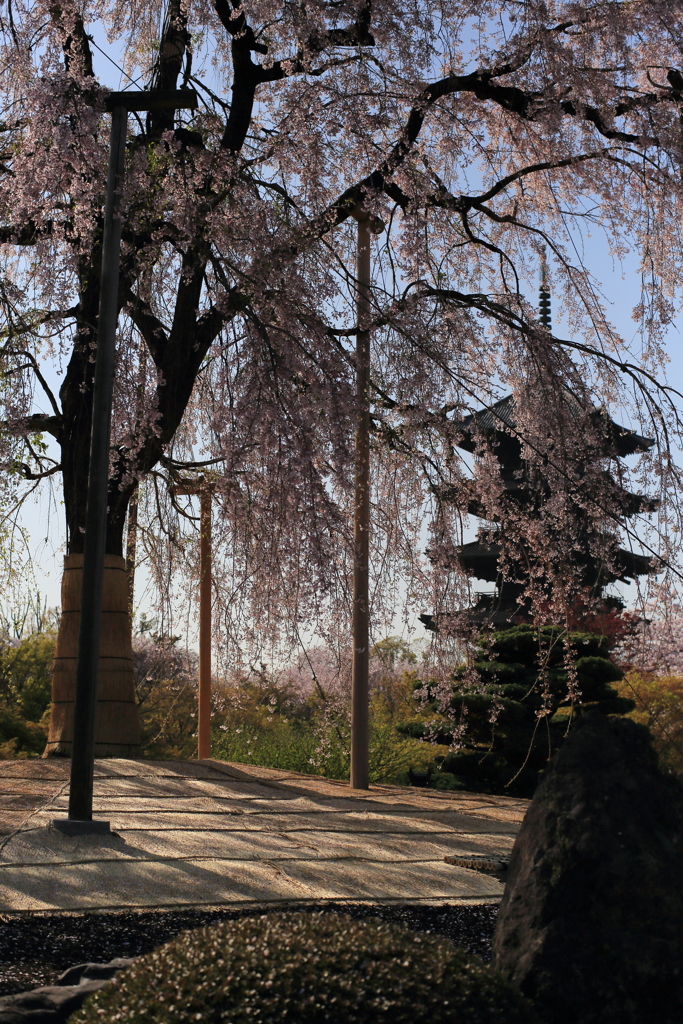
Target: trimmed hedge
{"x": 299, "y": 968}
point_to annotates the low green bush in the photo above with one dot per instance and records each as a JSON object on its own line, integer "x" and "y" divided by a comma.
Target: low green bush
{"x": 307, "y": 969}
{"x": 25, "y": 683}
{"x": 278, "y": 745}
{"x": 20, "y": 739}
{"x": 659, "y": 706}
{"x": 263, "y": 722}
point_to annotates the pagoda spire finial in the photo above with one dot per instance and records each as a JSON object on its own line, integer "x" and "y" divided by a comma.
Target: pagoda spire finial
{"x": 544, "y": 295}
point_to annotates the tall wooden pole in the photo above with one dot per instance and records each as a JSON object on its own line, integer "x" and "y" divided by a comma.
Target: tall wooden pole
{"x": 87, "y": 666}
{"x": 132, "y": 546}
{"x": 133, "y": 505}
{"x": 360, "y": 738}
{"x": 204, "y": 698}
{"x": 204, "y": 488}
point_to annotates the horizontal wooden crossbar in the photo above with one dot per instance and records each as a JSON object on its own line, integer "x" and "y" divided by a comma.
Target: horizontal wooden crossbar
{"x": 153, "y": 99}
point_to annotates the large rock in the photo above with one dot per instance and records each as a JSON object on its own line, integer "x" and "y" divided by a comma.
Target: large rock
{"x": 591, "y": 922}
{"x": 54, "y": 1004}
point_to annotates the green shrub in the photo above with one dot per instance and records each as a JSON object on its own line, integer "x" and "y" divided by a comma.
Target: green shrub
{"x": 166, "y": 693}
{"x": 319, "y": 749}
{"x": 659, "y": 706}
{"x": 264, "y": 722}
{"x": 25, "y": 684}
{"x": 26, "y": 674}
{"x": 307, "y": 969}
{"x": 19, "y": 738}
{"x": 279, "y": 745}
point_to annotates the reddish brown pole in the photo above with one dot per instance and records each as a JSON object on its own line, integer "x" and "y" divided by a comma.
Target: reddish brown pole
{"x": 360, "y": 774}
{"x": 204, "y": 716}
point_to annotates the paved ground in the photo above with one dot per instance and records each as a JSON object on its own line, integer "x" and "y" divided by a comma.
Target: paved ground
{"x": 208, "y": 833}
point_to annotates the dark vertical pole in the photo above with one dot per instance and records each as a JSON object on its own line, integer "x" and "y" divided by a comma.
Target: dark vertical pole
{"x": 360, "y": 739}
{"x": 87, "y": 670}
{"x": 204, "y": 696}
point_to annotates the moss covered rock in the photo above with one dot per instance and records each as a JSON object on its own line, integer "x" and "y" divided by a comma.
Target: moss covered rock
{"x": 307, "y": 968}
{"x": 591, "y": 922}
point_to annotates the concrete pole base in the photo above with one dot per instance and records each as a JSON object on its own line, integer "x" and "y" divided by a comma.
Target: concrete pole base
{"x": 75, "y": 827}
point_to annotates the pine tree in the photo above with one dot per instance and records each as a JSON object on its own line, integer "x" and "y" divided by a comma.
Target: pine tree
{"x": 512, "y": 707}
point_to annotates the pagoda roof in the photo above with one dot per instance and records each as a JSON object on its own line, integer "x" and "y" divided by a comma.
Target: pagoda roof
{"x": 481, "y": 561}
{"x": 493, "y": 419}
{"x": 500, "y": 418}
{"x": 519, "y": 490}
{"x": 483, "y": 613}
{"x": 634, "y": 565}
{"x": 625, "y": 441}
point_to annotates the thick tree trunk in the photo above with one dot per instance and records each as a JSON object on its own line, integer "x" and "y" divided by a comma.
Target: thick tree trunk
{"x": 117, "y": 729}
{"x": 118, "y": 733}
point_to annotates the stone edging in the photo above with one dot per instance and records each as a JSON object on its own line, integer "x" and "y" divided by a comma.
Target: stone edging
{"x": 54, "y": 1004}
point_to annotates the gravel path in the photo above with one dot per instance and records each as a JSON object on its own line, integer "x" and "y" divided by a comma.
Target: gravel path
{"x": 190, "y": 834}
{"x": 36, "y": 948}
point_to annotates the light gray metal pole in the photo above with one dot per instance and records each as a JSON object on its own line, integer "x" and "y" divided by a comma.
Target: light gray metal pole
{"x": 87, "y": 668}
{"x": 360, "y": 737}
